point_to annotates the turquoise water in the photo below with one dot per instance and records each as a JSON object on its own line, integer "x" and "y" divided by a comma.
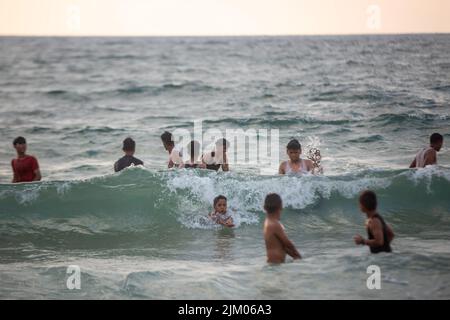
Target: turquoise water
{"x": 369, "y": 103}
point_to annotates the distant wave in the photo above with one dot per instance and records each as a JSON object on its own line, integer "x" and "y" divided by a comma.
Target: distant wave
{"x": 372, "y": 138}
{"x": 189, "y": 86}
{"x": 445, "y": 88}
{"x": 167, "y": 87}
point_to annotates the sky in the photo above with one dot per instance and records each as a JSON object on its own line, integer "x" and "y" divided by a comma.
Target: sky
{"x": 221, "y": 17}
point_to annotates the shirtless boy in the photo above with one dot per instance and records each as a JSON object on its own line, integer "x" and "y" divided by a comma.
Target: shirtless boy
{"x": 277, "y": 242}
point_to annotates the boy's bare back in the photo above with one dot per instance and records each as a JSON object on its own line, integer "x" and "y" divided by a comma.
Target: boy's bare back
{"x": 277, "y": 242}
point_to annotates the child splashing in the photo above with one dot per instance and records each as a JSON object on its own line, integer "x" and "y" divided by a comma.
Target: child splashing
{"x": 220, "y": 215}
{"x": 295, "y": 165}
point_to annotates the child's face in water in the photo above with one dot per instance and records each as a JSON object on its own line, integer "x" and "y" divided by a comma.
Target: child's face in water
{"x": 294, "y": 154}
{"x": 221, "y": 206}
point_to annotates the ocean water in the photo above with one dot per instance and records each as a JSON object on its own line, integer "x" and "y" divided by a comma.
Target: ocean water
{"x": 368, "y": 102}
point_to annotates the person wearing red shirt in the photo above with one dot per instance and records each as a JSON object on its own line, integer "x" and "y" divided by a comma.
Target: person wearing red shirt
{"x": 25, "y": 167}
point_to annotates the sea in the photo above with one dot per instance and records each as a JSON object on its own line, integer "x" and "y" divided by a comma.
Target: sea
{"x": 368, "y": 103}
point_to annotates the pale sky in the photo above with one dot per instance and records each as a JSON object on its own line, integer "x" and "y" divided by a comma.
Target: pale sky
{"x": 222, "y": 17}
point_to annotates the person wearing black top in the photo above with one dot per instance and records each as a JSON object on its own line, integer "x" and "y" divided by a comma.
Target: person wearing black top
{"x": 129, "y": 147}
{"x": 379, "y": 233}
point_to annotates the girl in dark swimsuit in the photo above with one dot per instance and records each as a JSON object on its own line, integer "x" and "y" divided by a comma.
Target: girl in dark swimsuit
{"x": 379, "y": 233}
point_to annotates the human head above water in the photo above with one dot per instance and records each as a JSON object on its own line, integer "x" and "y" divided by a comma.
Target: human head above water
{"x": 273, "y": 203}
{"x": 129, "y": 145}
{"x": 20, "y": 144}
{"x": 167, "y": 140}
{"x": 294, "y": 150}
{"x": 220, "y": 204}
{"x": 19, "y": 140}
{"x": 436, "y": 141}
{"x": 368, "y": 201}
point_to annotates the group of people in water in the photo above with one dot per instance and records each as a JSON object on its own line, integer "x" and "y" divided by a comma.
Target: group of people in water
{"x": 380, "y": 235}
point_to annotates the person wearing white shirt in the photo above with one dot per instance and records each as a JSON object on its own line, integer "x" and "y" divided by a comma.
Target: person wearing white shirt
{"x": 175, "y": 153}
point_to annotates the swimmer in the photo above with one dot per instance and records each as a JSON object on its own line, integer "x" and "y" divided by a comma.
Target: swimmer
{"x": 217, "y": 158}
{"x": 175, "y": 154}
{"x": 380, "y": 234}
{"x": 194, "y": 162}
{"x": 428, "y": 155}
{"x": 295, "y": 165}
{"x": 129, "y": 147}
{"x": 220, "y": 215}
{"x": 277, "y": 242}
{"x": 25, "y": 167}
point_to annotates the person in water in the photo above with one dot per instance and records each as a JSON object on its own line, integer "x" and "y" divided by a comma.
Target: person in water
{"x": 25, "y": 167}
{"x": 295, "y": 165}
{"x": 175, "y": 154}
{"x": 277, "y": 242}
{"x": 217, "y": 158}
{"x": 428, "y": 155}
{"x": 220, "y": 214}
{"x": 129, "y": 147}
{"x": 194, "y": 161}
{"x": 380, "y": 234}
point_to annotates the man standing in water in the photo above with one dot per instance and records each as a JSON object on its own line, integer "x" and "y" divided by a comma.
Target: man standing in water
{"x": 277, "y": 242}
{"x": 428, "y": 155}
{"x": 129, "y": 147}
{"x": 25, "y": 167}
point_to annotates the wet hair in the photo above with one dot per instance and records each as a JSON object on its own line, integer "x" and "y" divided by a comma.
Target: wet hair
{"x": 219, "y": 197}
{"x": 167, "y": 139}
{"x": 224, "y": 142}
{"x": 194, "y": 148}
{"x": 368, "y": 200}
{"x": 129, "y": 144}
{"x": 436, "y": 138}
{"x": 294, "y": 145}
{"x": 19, "y": 140}
{"x": 272, "y": 203}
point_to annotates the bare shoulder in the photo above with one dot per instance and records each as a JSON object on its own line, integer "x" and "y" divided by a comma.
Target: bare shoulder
{"x": 272, "y": 225}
